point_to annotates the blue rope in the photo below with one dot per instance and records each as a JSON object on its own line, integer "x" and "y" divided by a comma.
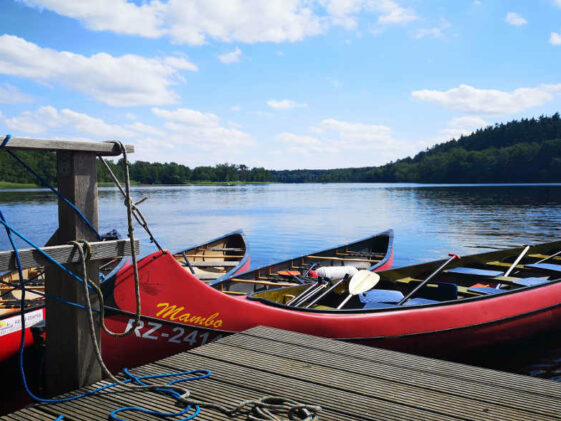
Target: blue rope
{"x": 201, "y": 373}
{"x": 5, "y": 141}
{"x": 10, "y": 230}
{"x": 46, "y": 184}
{"x": 50, "y": 297}
{"x": 138, "y": 380}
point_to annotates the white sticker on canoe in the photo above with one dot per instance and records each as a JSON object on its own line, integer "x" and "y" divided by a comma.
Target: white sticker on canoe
{"x": 13, "y": 324}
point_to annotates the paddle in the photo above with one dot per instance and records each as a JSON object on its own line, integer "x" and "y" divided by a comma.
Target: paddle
{"x": 324, "y": 284}
{"x": 312, "y": 267}
{"x": 361, "y": 281}
{"x": 328, "y": 291}
{"x": 549, "y": 257}
{"x": 188, "y": 263}
{"x": 518, "y": 259}
{"x": 422, "y": 284}
{"x": 303, "y": 293}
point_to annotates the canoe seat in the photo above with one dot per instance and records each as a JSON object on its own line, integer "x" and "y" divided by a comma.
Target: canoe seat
{"x": 419, "y": 302}
{"x": 475, "y": 272}
{"x": 381, "y": 296}
{"x": 439, "y": 291}
{"x": 485, "y": 290}
{"x": 214, "y": 264}
{"x": 530, "y": 282}
{"x": 545, "y": 266}
{"x": 207, "y": 276}
{"x": 374, "y": 305}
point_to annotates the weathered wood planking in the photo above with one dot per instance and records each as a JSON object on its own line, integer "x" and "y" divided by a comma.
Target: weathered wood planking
{"x": 99, "y": 148}
{"x": 66, "y": 254}
{"x": 350, "y": 382}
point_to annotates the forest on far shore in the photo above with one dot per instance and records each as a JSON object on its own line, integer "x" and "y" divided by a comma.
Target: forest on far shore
{"x": 528, "y": 150}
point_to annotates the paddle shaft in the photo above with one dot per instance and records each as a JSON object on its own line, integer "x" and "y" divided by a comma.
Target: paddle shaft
{"x": 422, "y": 284}
{"x": 549, "y": 257}
{"x": 305, "y": 292}
{"x": 188, "y": 263}
{"x": 518, "y": 259}
{"x": 326, "y": 292}
{"x": 311, "y": 294}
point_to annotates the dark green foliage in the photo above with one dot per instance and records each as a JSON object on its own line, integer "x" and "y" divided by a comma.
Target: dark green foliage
{"x": 528, "y": 150}
{"x": 519, "y": 151}
{"x": 140, "y": 171}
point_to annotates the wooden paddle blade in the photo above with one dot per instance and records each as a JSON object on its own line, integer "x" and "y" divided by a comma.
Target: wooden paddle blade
{"x": 363, "y": 281}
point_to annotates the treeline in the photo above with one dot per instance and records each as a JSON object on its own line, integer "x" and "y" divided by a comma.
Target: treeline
{"x": 140, "y": 171}
{"x": 528, "y": 150}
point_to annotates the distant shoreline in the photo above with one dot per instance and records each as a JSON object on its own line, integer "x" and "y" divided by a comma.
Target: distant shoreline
{"x": 10, "y": 185}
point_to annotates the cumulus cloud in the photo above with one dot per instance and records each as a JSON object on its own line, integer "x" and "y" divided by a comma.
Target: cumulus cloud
{"x": 515, "y": 19}
{"x": 461, "y": 126}
{"x": 555, "y": 38}
{"x": 117, "y": 81}
{"x": 9, "y": 94}
{"x": 207, "y": 139}
{"x": 471, "y": 100}
{"x": 367, "y": 143}
{"x": 119, "y": 16}
{"x": 197, "y": 21}
{"x": 231, "y": 57}
{"x": 203, "y": 130}
{"x": 65, "y": 122}
{"x": 285, "y": 104}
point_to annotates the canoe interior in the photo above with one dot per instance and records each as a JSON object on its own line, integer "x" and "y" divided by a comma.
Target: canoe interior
{"x": 212, "y": 260}
{"x": 34, "y": 278}
{"x": 368, "y": 254}
{"x": 472, "y": 277}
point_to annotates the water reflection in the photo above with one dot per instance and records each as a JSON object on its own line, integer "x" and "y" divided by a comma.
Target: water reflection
{"x": 286, "y": 220}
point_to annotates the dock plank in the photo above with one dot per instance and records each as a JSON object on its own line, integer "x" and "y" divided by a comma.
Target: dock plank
{"x": 441, "y": 382}
{"x": 348, "y": 381}
{"x": 400, "y": 360}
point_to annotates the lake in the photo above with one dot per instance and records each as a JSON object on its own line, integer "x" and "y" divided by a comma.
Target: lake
{"x": 282, "y": 221}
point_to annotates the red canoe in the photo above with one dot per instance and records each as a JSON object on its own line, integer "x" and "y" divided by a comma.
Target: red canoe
{"x": 181, "y": 312}
{"x": 468, "y": 305}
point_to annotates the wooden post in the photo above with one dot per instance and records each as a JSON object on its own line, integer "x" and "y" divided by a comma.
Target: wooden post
{"x": 70, "y": 358}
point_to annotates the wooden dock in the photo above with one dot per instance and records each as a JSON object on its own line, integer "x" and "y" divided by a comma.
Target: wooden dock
{"x": 349, "y": 382}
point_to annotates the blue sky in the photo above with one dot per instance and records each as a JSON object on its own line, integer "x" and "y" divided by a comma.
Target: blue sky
{"x": 275, "y": 83}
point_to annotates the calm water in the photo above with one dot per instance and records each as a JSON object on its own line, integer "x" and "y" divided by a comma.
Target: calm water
{"x": 286, "y": 220}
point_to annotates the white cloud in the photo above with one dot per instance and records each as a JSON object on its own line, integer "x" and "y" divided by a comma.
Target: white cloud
{"x": 65, "y": 122}
{"x": 202, "y": 130}
{"x": 468, "y": 99}
{"x": 557, "y": 3}
{"x": 348, "y": 142}
{"x": 235, "y": 108}
{"x": 9, "y": 94}
{"x": 195, "y": 22}
{"x": 117, "y": 81}
{"x": 231, "y": 57}
{"x": 118, "y": 16}
{"x": 555, "y": 38}
{"x": 515, "y": 19}
{"x": 461, "y": 126}
{"x": 434, "y": 32}
{"x": 285, "y": 104}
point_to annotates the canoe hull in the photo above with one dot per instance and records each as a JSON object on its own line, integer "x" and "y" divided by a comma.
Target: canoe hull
{"x": 196, "y": 313}
{"x": 10, "y": 331}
